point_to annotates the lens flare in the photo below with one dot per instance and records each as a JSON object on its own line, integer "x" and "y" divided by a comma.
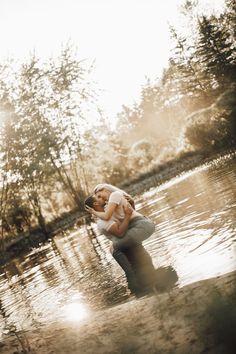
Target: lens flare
{"x": 76, "y": 311}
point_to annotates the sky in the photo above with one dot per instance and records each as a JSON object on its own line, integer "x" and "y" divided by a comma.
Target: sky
{"x": 128, "y": 40}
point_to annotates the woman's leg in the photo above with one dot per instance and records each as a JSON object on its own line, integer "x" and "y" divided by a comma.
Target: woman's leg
{"x": 140, "y": 228}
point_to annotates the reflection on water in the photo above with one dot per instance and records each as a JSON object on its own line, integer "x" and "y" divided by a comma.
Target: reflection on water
{"x": 75, "y": 274}
{"x": 76, "y": 311}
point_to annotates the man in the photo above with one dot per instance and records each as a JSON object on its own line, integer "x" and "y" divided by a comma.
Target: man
{"x": 138, "y": 227}
{"x": 127, "y": 251}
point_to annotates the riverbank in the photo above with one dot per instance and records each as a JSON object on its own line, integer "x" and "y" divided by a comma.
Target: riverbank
{"x": 26, "y": 242}
{"x": 198, "y": 318}
{"x": 164, "y": 172}
{"x": 154, "y": 177}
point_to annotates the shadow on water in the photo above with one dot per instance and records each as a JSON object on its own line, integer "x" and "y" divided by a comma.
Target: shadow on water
{"x": 167, "y": 278}
{"x": 75, "y": 273}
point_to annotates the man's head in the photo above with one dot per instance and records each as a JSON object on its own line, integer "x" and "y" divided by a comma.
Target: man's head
{"x": 92, "y": 202}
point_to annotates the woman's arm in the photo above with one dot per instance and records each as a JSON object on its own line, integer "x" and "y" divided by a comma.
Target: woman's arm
{"x": 104, "y": 215}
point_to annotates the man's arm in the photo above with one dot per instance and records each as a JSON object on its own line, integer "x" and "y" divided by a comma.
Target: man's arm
{"x": 118, "y": 229}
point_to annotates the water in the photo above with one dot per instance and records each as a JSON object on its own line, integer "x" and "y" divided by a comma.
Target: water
{"x": 74, "y": 274}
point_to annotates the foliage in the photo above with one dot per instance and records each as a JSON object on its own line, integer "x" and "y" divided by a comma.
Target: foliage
{"x": 52, "y": 152}
{"x": 182, "y": 109}
{"x": 213, "y": 126}
{"x": 42, "y": 106}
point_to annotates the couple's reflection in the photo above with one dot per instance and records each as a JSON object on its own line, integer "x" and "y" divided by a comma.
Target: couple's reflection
{"x": 150, "y": 280}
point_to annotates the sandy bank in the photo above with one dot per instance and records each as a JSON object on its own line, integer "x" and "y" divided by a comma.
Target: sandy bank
{"x": 197, "y": 318}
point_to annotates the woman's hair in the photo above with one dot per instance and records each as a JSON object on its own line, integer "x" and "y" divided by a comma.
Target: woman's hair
{"x": 89, "y": 201}
{"x": 109, "y": 187}
{"x": 99, "y": 187}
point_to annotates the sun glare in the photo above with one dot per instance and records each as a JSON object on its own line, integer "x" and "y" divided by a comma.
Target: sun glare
{"x": 76, "y": 312}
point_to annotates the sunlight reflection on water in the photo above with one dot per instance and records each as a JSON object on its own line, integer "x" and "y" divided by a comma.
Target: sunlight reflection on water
{"x": 76, "y": 311}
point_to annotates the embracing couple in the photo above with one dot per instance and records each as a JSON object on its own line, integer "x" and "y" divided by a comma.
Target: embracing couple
{"x": 118, "y": 220}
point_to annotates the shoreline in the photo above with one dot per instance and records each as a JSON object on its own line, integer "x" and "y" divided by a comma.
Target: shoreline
{"x": 182, "y": 321}
{"x": 155, "y": 177}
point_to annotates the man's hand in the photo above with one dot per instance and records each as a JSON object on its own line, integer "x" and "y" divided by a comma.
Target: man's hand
{"x": 111, "y": 249}
{"x": 130, "y": 200}
{"x": 128, "y": 209}
{"x": 90, "y": 210}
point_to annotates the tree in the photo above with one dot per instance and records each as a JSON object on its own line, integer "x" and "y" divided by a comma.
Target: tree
{"x": 214, "y": 126}
{"x": 45, "y": 128}
{"x": 230, "y": 19}
{"x": 186, "y": 78}
{"x": 20, "y": 163}
{"x": 214, "y": 49}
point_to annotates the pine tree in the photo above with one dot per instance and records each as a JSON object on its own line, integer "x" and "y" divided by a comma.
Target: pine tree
{"x": 187, "y": 78}
{"x": 230, "y": 19}
{"x": 214, "y": 50}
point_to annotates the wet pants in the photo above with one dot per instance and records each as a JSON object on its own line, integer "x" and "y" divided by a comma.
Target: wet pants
{"x": 132, "y": 256}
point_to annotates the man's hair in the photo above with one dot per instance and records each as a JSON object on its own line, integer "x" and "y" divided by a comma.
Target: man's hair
{"x": 89, "y": 201}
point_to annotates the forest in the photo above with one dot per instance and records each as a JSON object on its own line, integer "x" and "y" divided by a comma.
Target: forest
{"x": 57, "y": 143}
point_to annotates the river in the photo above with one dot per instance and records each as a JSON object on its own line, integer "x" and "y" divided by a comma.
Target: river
{"x": 74, "y": 274}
